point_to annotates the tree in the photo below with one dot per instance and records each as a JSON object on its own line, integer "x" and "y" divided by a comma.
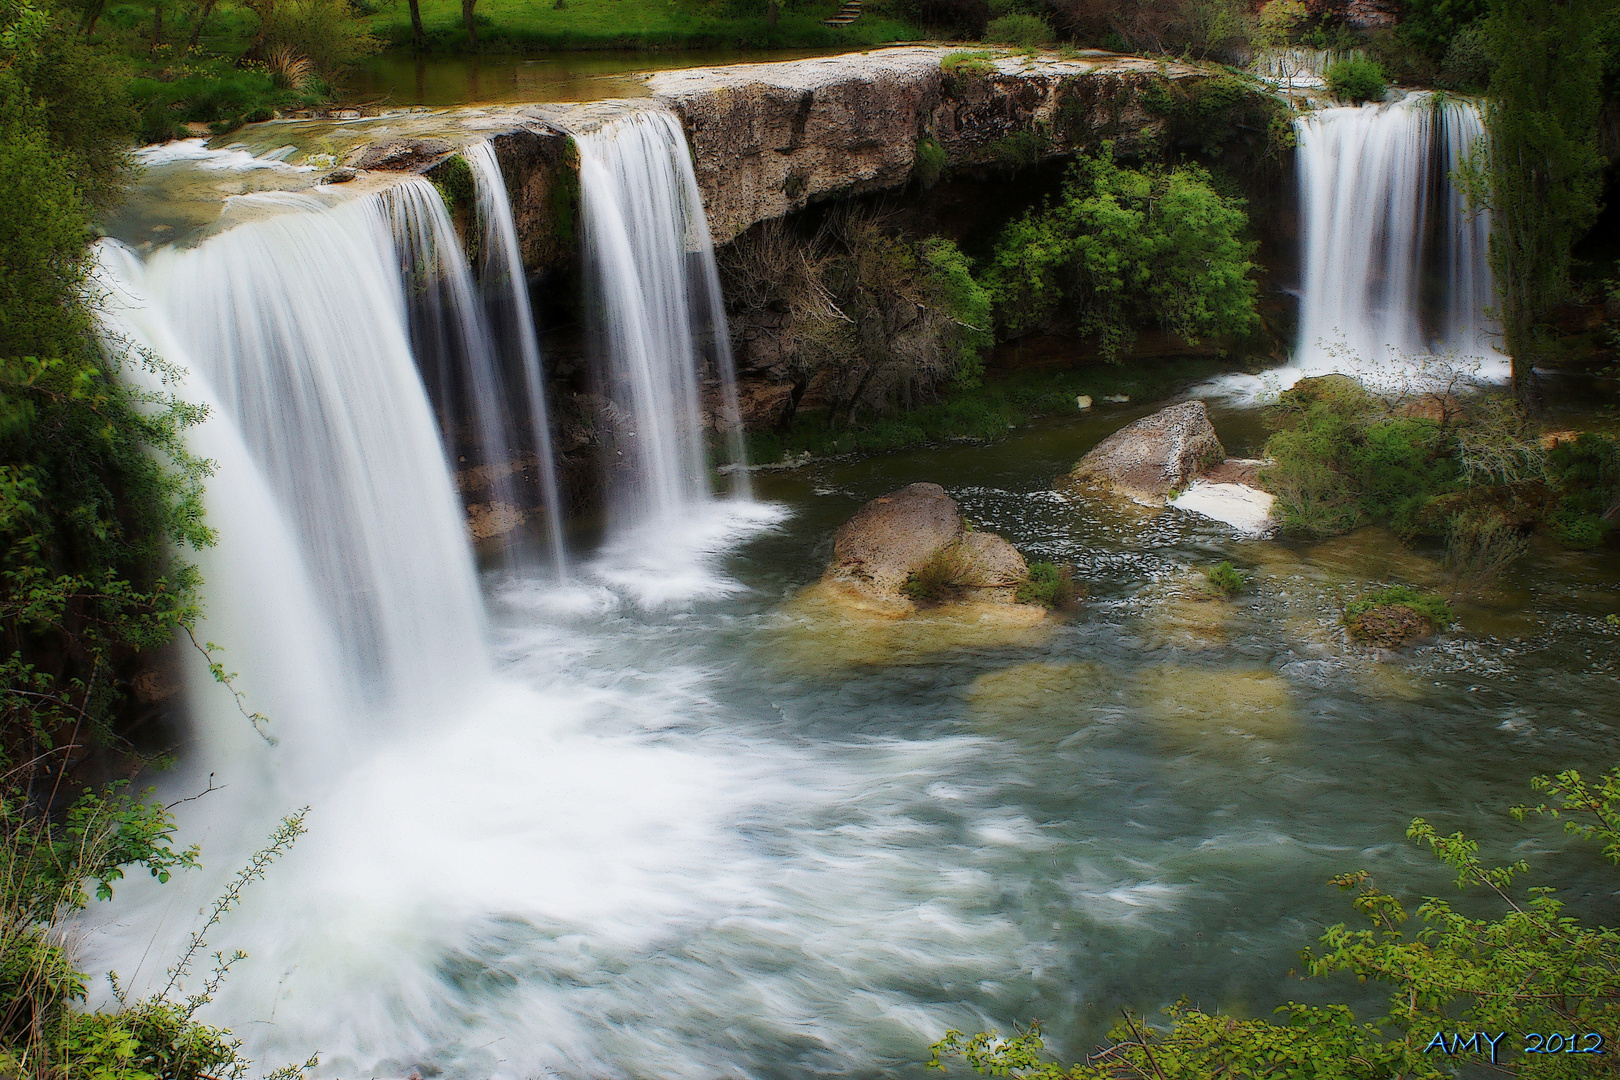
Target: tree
{"x": 418, "y": 38}
{"x": 1545, "y": 171}
{"x": 467, "y": 21}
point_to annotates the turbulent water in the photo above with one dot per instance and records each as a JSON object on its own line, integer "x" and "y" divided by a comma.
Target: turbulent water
{"x": 675, "y": 818}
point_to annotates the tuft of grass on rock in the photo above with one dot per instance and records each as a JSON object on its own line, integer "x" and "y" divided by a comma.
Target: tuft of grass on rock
{"x": 938, "y": 579}
{"x": 1394, "y": 616}
{"x": 1224, "y": 579}
{"x": 1050, "y": 585}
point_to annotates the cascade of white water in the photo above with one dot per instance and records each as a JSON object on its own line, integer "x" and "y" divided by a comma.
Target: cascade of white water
{"x": 1468, "y": 327}
{"x": 507, "y": 293}
{"x": 1367, "y": 180}
{"x": 658, "y": 317}
{"x": 298, "y": 326}
{"x": 450, "y": 337}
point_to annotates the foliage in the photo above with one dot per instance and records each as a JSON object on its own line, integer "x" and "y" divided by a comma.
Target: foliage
{"x": 1224, "y": 579}
{"x": 1123, "y": 248}
{"x": 930, "y": 164}
{"x": 1587, "y": 472}
{"x": 968, "y": 63}
{"x": 327, "y": 33}
{"x": 1026, "y": 31}
{"x": 1480, "y": 544}
{"x": 1341, "y": 460}
{"x": 1356, "y": 79}
{"x": 938, "y": 579}
{"x": 1432, "y": 26}
{"x": 1544, "y": 171}
{"x": 1467, "y": 64}
{"x": 1207, "y": 115}
{"x": 1533, "y": 968}
{"x": 878, "y": 319}
{"x": 1049, "y": 585}
{"x": 215, "y": 93}
{"x": 1213, "y": 29}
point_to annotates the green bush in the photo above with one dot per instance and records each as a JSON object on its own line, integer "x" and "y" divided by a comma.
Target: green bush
{"x": 1049, "y": 585}
{"x": 1341, "y": 461}
{"x": 1025, "y": 31}
{"x": 1123, "y": 248}
{"x": 1224, "y": 579}
{"x": 1357, "y": 80}
{"x": 1467, "y": 64}
{"x": 930, "y": 164}
{"x": 1433, "y": 26}
{"x": 1019, "y": 150}
{"x": 1587, "y": 472}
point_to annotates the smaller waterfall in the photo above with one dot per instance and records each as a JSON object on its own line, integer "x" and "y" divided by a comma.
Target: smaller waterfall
{"x": 1299, "y": 68}
{"x": 1384, "y": 225}
{"x": 507, "y": 293}
{"x": 656, "y": 310}
{"x": 451, "y": 340}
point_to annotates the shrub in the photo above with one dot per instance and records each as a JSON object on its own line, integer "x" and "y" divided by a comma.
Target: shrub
{"x": 1467, "y": 64}
{"x": 938, "y": 579}
{"x": 1587, "y": 472}
{"x": 1123, "y": 248}
{"x": 1019, "y": 150}
{"x": 1342, "y": 461}
{"x": 930, "y": 164}
{"x": 1049, "y": 585}
{"x": 1357, "y": 80}
{"x": 1480, "y": 544}
{"x": 1025, "y": 31}
{"x": 1224, "y": 579}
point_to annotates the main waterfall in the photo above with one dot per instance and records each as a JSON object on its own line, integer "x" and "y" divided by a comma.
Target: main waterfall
{"x": 1395, "y": 261}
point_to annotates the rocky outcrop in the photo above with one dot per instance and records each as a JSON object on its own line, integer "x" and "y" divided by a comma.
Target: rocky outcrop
{"x": 402, "y": 155}
{"x": 913, "y": 547}
{"x": 768, "y": 139}
{"x": 1152, "y": 457}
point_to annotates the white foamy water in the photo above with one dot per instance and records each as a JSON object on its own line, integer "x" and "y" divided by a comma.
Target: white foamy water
{"x": 196, "y": 152}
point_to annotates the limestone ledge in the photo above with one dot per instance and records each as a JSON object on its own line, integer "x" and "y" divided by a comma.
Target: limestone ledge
{"x": 768, "y": 139}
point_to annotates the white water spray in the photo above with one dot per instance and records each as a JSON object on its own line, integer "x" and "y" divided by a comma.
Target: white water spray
{"x": 656, "y": 309}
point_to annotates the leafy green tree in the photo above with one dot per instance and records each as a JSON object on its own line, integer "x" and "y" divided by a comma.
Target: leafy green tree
{"x": 1545, "y": 171}
{"x": 1430, "y": 26}
{"x": 1121, "y": 249}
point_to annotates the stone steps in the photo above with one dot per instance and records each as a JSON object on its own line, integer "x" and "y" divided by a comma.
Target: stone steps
{"x": 846, "y": 15}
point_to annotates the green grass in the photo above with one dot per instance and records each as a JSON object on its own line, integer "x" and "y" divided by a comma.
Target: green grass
{"x": 981, "y": 414}
{"x": 1049, "y": 585}
{"x": 1224, "y": 579}
{"x": 524, "y": 25}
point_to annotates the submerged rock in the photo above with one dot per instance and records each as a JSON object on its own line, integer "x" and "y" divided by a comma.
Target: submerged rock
{"x": 1158, "y": 454}
{"x": 1390, "y": 626}
{"x": 911, "y": 546}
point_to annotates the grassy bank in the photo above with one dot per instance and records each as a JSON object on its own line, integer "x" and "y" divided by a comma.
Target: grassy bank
{"x": 519, "y": 26}
{"x": 986, "y": 412}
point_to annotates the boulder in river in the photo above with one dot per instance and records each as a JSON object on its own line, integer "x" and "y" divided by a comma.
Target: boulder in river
{"x": 913, "y": 547}
{"x": 1158, "y": 454}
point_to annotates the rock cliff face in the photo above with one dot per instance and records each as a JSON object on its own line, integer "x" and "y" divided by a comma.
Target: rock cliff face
{"x": 768, "y": 139}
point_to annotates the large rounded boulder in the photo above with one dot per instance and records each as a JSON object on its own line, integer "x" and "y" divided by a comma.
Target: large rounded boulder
{"x": 913, "y": 547}
{"x": 1152, "y": 457}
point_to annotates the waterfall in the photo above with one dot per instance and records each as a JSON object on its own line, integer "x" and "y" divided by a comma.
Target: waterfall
{"x": 1381, "y": 214}
{"x": 451, "y": 339}
{"x": 507, "y": 292}
{"x": 296, "y": 328}
{"x": 1298, "y": 68}
{"x": 657, "y": 315}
